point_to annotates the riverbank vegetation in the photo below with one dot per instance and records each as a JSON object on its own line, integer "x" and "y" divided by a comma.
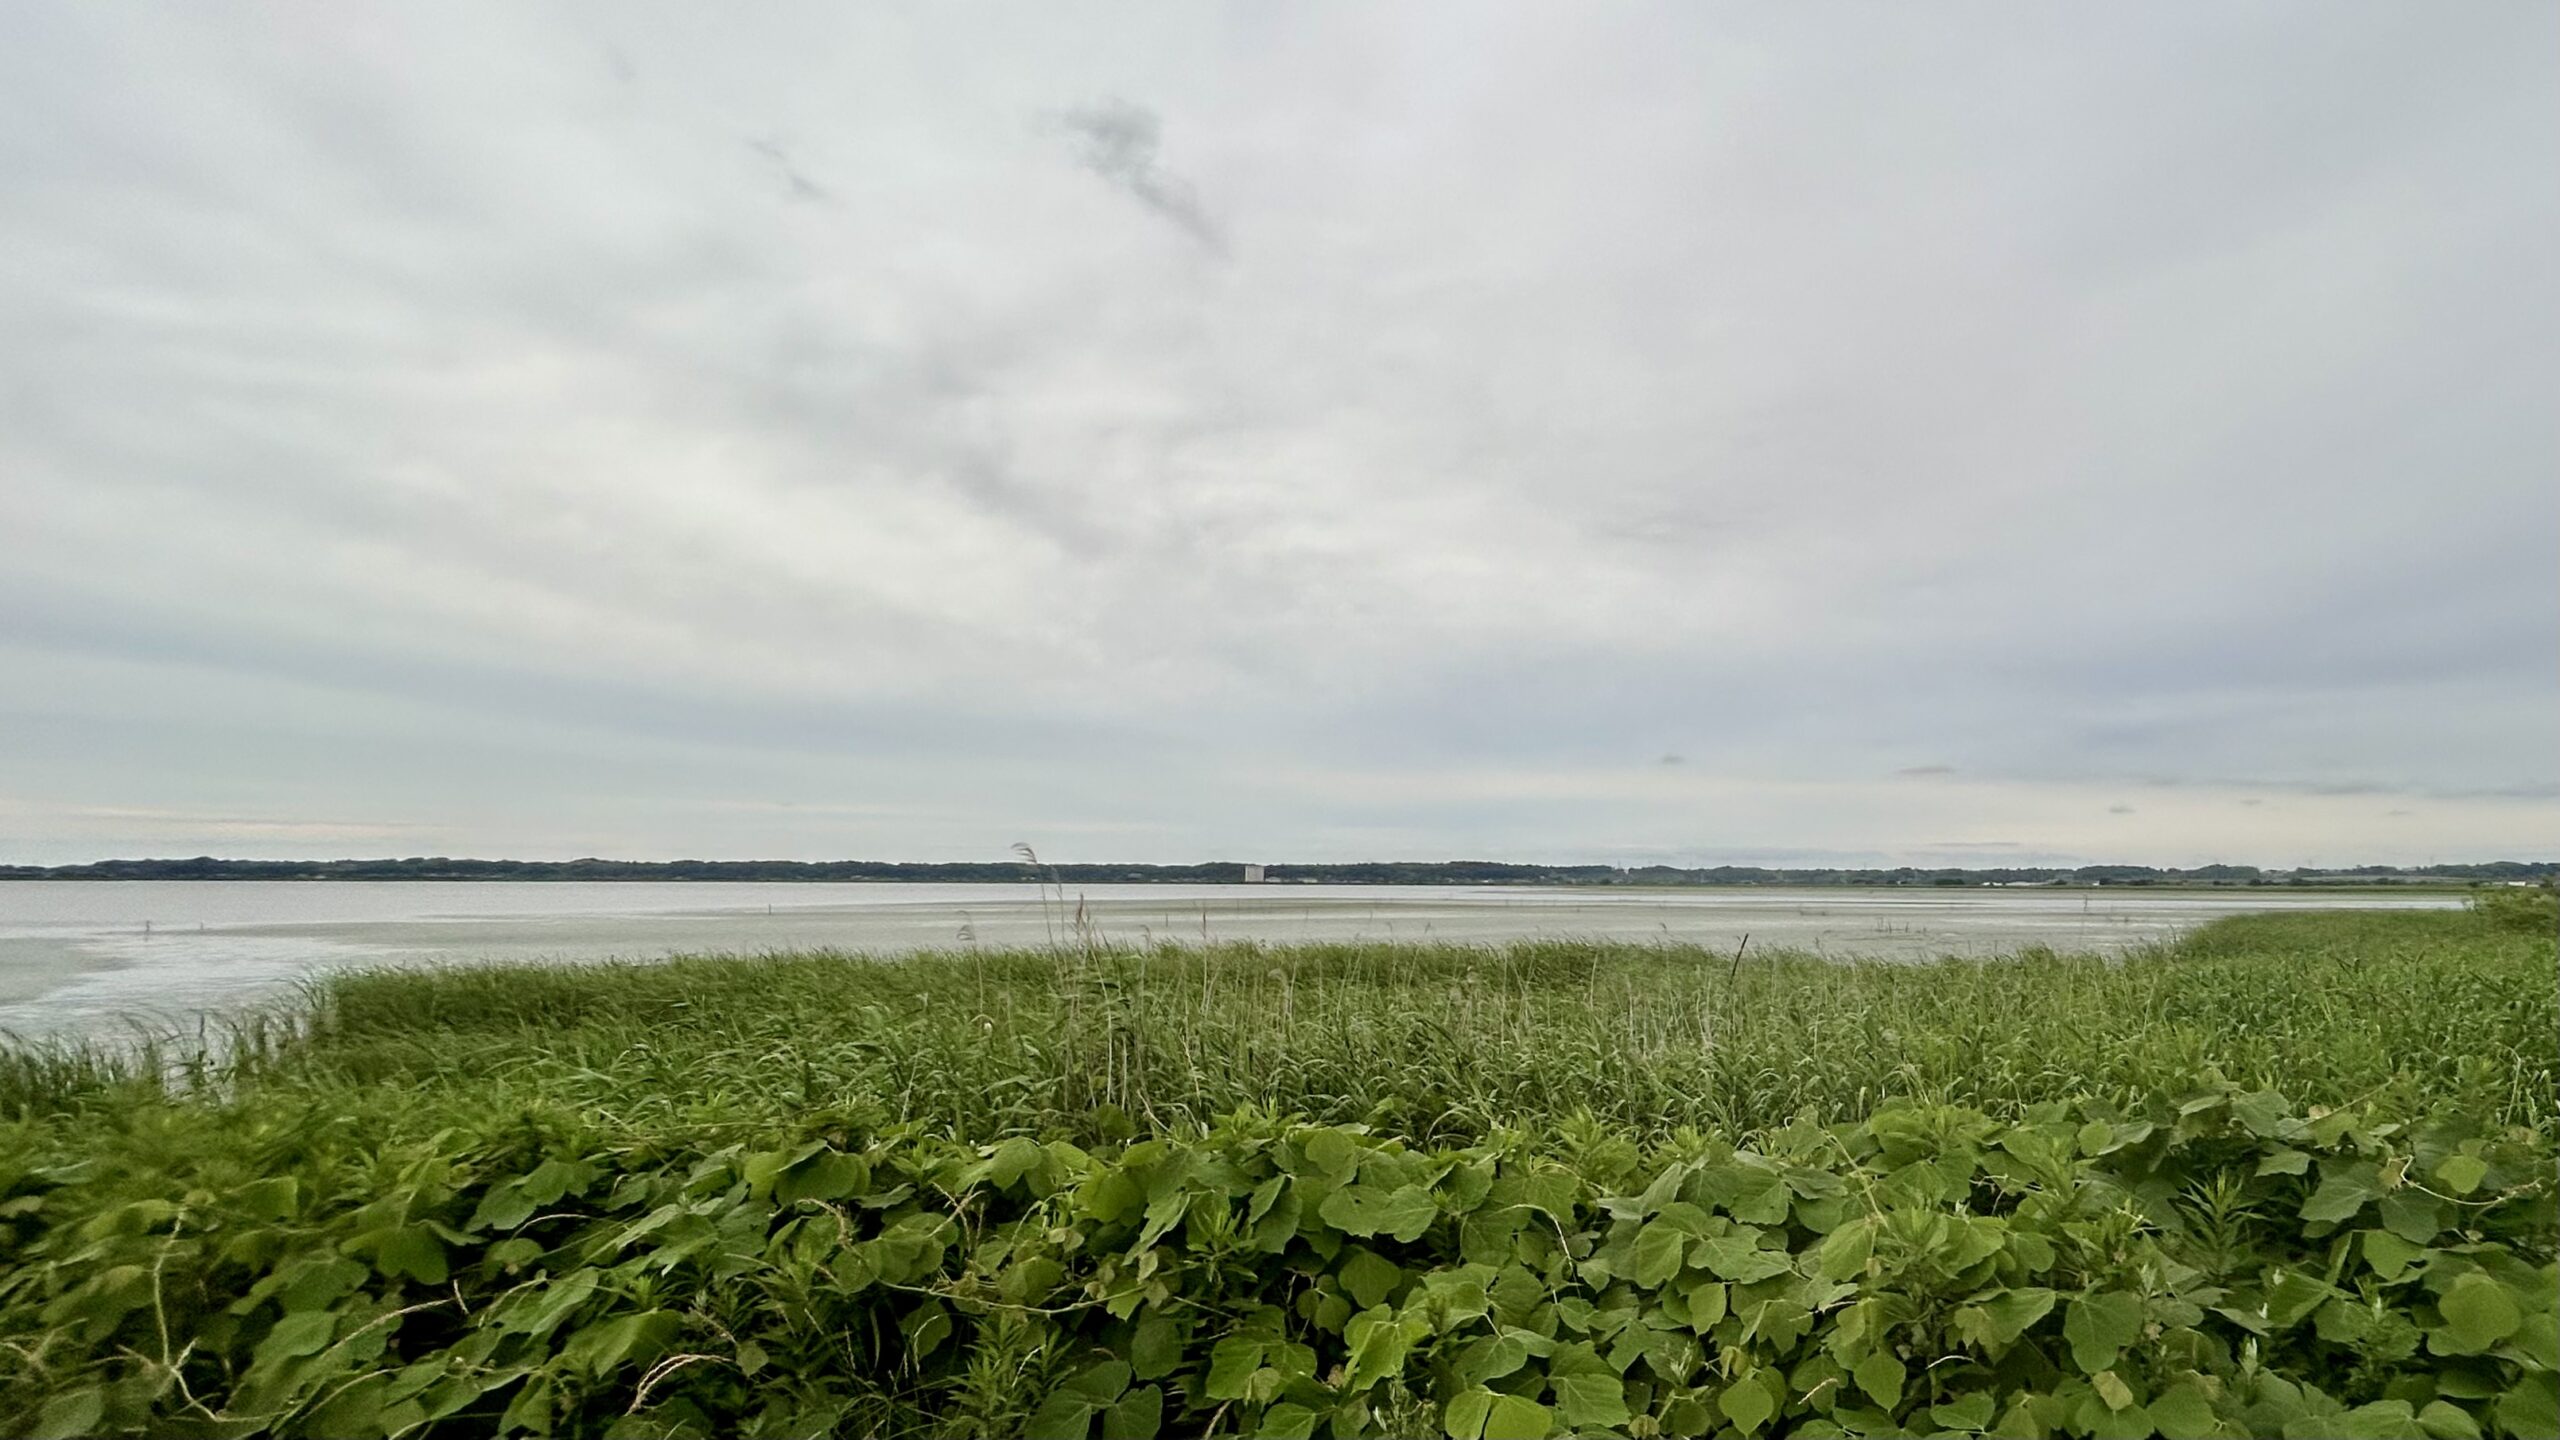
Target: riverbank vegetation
{"x": 1391, "y": 872}
{"x": 2290, "y": 1175}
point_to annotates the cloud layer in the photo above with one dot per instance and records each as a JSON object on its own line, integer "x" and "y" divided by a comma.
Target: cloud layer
{"x": 1336, "y": 434}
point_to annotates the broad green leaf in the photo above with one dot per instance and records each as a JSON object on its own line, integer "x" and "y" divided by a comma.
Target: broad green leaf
{"x": 2112, "y": 1389}
{"x": 1747, "y": 1403}
{"x": 1155, "y": 1347}
{"x": 633, "y": 1339}
{"x": 1590, "y": 1401}
{"x": 1579, "y": 1357}
{"x": 1368, "y": 1277}
{"x": 2099, "y": 1325}
{"x": 1880, "y": 1375}
{"x": 1663, "y": 1189}
{"x": 1012, "y": 1159}
{"x": 70, "y": 1415}
{"x": 2295, "y": 1295}
{"x": 1687, "y": 1415}
{"x": 2343, "y": 1322}
{"x": 2388, "y": 1254}
{"x": 1450, "y": 1299}
{"x": 2446, "y": 1421}
{"x": 1231, "y": 1365}
{"x": 1331, "y": 1152}
{"x": 2532, "y": 1407}
{"x": 925, "y": 1328}
{"x": 2264, "y": 1113}
{"x": 1750, "y": 1193}
{"x": 1707, "y": 1300}
{"x": 1366, "y": 1210}
{"x": 2133, "y": 1422}
{"x": 304, "y": 1332}
{"x": 2342, "y": 1194}
{"x": 1492, "y": 1357}
{"x": 1063, "y": 1416}
{"x": 2381, "y": 1420}
{"x": 1163, "y": 1213}
{"x": 1973, "y": 1412}
{"x": 1107, "y": 1195}
{"x": 2462, "y": 1174}
{"x": 355, "y": 1409}
{"x": 1137, "y": 1415}
{"x": 1290, "y": 1361}
{"x": 553, "y": 1179}
{"x": 1464, "y": 1417}
{"x": 1378, "y": 1341}
{"x": 1657, "y": 1258}
{"x": 504, "y": 1207}
{"x": 1846, "y": 1250}
{"x": 1332, "y": 1312}
{"x": 1101, "y": 1382}
{"x": 1735, "y": 1258}
{"x": 1287, "y": 1420}
{"x": 1279, "y": 1225}
{"x": 831, "y": 1175}
{"x": 2538, "y": 1339}
{"x": 1516, "y": 1417}
{"x": 413, "y": 1251}
{"x": 2014, "y": 1313}
{"x": 2478, "y": 1312}
{"x": 1029, "y": 1281}
{"x": 546, "y": 1308}
{"x": 2183, "y": 1412}
{"x": 2413, "y": 1216}
{"x": 275, "y": 1198}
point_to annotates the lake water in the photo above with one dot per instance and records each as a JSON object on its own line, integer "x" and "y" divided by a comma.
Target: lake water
{"x": 79, "y": 956}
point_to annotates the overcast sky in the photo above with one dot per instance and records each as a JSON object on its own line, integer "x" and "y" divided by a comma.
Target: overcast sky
{"x": 1789, "y": 433}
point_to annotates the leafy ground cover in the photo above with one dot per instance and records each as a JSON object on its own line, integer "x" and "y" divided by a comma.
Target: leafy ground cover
{"x": 2292, "y": 1176}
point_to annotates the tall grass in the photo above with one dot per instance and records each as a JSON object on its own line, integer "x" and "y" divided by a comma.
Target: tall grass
{"x": 718, "y": 1194}
{"x": 1439, "y": 1043}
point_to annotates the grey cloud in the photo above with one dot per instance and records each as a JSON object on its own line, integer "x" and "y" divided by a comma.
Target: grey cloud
{"x": 1118, "y": 141}
{"x": 795, "y": 182}
{"x": 2539, "y": 790}
{"x": 420, "y": 422}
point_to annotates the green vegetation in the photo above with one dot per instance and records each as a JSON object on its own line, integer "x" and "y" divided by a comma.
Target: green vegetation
{"x": 2533, "y": 910}
{"x": 2290, "y": 1176}
{"x": 1371, "y": 872}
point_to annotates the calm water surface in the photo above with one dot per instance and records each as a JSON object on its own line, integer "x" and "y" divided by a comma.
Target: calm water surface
{"x": 80, "y": 956}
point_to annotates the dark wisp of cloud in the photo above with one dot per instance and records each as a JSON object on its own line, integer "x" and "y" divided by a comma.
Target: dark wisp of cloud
{"x": 1119, "y": 140}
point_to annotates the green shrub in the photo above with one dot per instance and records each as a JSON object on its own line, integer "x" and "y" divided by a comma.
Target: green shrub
{"x": 1350, "y": 1190}
{"x": 2218, "y": 1264}
{"x": 2532, "y": 909}
{"x": 1443, "y": 1044}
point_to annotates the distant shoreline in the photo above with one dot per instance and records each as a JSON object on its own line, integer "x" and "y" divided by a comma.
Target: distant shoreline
{"x": 1446, "y": 872}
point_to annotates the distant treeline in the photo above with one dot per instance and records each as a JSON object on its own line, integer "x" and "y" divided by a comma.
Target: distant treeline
{"x": 1431, "y": 872}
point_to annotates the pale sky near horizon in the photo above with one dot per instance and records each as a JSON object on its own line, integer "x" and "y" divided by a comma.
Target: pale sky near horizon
{"x": 1783, "y": 433}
